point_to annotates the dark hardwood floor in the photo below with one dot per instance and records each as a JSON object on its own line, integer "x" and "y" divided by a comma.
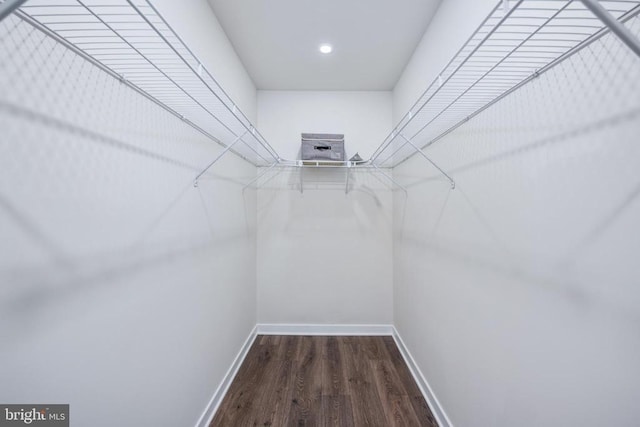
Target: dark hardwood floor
{"x": 323, "y": 381}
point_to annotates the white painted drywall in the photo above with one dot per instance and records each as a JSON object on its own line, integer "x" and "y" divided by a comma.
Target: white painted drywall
{"x": 197, "y": 25}
{"x": 518, "y": 292}
{"x": 324, "y": 257}
{"x": 125, "y": 291}
{"x": 363, "y": 117}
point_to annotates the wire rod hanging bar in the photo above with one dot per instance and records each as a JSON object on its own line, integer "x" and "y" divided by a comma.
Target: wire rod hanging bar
{"x": 603, "y": 31}
{"x": 513, "y": 45}
{"x": 484, "y": 76}
{"x": 441, "y": 83}
{"x": 155, "y": 66}
{"x": 614, "y": 25}
{"x": 494, "y": 61}
{"x": 234, "y": 110}
{"x": 49, "y": 33}
{"x": 134, "y": 42}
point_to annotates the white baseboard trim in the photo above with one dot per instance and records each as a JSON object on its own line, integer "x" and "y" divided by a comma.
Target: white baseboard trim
{"x": 207, "y": 416}
{"x": 330, "y": 330}
{"x": 437, "y": 410}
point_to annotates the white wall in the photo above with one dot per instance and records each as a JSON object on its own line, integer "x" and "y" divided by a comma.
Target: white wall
{"x": 518, "y": 292}
{"x": 125, "y": 291}
{"x": 364, "y": 118}
{"x": 197, "y": 25}
{"x": 324, "y": 256}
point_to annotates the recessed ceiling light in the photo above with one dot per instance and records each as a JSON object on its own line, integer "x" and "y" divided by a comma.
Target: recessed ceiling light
{"x": 326, "y": 48}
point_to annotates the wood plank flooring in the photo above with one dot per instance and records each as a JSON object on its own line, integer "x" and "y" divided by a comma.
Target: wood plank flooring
{"x": 323, "y": 381}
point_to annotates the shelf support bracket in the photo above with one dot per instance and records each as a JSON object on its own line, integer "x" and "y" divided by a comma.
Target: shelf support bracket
{"x": 8, "y": 7}
{"x": 419, "y": 151}
{"x": 260, "y": 175}
{"x": 390, "y": 178}
{"x": 614, "y": 25}
{"x": 346, "y": 185}
{"x": 218, "y": 157}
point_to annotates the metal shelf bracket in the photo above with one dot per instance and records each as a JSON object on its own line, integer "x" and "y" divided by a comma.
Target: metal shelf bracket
{"x": 346, "y": 184}
{"x": 419, "y": 151}
{"x": 219, "y": 156}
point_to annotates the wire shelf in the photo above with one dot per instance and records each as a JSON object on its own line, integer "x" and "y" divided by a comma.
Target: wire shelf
{"x": 515, "y": 43}
{"x": 132, "y": 41}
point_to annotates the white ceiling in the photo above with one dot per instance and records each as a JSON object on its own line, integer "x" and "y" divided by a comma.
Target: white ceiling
{"x": 278, "y": 40}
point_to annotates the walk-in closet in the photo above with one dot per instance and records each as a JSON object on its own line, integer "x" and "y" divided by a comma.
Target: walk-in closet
{"x": 319, "y": 213}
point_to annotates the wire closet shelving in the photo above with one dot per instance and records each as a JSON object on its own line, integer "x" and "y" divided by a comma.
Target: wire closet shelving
{"x": 131, "y": 41}
{"x": 517, "y": 42}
